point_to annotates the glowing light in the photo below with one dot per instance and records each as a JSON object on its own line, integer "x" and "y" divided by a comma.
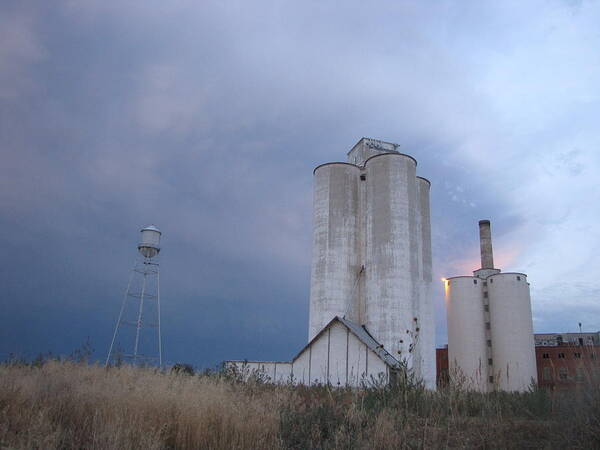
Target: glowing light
{"x": 444, "y": 279}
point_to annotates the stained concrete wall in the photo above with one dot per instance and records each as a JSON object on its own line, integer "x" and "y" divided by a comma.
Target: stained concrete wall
{"x": 425, "y": 362}
{"x": 335, "y": 259}
{"x": 391, "y": 263}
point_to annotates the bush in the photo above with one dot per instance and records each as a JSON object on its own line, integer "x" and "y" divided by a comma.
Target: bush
{"x": 69, "y": 404}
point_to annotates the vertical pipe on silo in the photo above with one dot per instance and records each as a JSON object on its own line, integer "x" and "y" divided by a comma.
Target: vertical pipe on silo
{"x": 467, "y": 343}
{"x": 513, "y": 350}
{"x": 335, "y": 261}
{"x": 362, "y": 247}
{"x": 391, "y": 260}
{"x": 424, "y": 306}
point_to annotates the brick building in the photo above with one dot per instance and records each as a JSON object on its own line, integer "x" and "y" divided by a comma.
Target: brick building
{"x": 567, "y": 360}
{"x": 564, "y": 360}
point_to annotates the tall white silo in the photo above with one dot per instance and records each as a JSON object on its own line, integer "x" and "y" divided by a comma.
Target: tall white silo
{"x": 513, "y": 349}
{"x": 372, "y": 252}
{"x": 391, "y": 262}
{"x": 336, "y": 267}
{"x": 137, "y": 335}
{"x": 423, "y": 305}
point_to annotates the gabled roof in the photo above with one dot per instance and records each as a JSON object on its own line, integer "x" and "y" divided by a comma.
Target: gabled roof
{"x": 363, "y": 335}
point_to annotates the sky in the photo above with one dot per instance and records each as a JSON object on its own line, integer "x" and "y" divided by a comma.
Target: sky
{"x": 206, "y": 118}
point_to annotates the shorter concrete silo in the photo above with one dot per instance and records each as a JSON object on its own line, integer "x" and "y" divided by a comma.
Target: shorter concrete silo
{"x": 467, "y": 343}
{"x": 513, "y": 349}
{"x": 490, "y": 327}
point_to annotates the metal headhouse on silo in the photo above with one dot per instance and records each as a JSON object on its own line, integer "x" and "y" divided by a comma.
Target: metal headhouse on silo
{"x": 137, "y": 335}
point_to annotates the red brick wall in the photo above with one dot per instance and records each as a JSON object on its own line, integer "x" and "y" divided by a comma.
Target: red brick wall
{"x": 566, "y": 366}
{"x": 441, "y": 360}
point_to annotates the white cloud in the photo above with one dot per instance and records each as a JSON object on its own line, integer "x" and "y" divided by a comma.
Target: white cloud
{"x": 20, "y": 48}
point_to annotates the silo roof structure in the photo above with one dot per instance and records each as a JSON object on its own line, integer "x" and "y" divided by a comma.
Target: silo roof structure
{"x": 151, "y": 228}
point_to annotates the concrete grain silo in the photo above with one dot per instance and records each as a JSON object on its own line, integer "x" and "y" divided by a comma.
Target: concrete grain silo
{"x": 490, "y": 330}
{"x": 371, "y": 313}
{"x": 467, "y": 341}
{"x": 513, "y": 346}
{"x": 424, "y": 361}
{"x": 391, "y": 260}
{"x": 336, "y": 263}
{"x": 372, "y": 252}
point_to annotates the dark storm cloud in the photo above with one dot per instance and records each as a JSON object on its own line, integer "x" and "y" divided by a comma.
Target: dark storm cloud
{"x": 208, "y": 118}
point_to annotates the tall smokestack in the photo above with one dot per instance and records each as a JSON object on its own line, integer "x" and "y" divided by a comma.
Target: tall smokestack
{"x": 485, "y": 241}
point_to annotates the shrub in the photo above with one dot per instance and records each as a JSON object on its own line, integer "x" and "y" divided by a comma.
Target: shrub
{"x": 69, "y": 404}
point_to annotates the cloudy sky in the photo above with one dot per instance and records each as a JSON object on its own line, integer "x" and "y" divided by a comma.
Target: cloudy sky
{"x": 206, "y": 118}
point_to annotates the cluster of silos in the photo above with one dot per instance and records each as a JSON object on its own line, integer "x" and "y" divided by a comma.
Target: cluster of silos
{"x": 490, "y": 330}
{"x": 372, "y": 252}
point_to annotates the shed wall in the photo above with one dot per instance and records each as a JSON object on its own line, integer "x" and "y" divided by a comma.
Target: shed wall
{"x": 336, "y": 357}
{"x": 338, "y": 354}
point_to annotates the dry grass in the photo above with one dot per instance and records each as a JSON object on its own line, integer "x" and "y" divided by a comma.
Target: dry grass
{"x": 74, "y": 405}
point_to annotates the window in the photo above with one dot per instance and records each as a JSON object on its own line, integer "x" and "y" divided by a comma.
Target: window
{"x": 577, "y": 355}
{"x": 485, "y": 283}
{"x": 592, "y": 355}
{"x": 518, "y": 278}
{"x": 491, "y": 378}
{"x": 486, "y": 308}
{"x": 474, "y": 281}
{"x": 545, "y": 355}
{"x": 489, "y": 342}
{"x": 363, "y": 177}
{"x": 563, "y": 373}
{"x": 547, "y": 374}
{"x": 490, "y": 361}
{"x": 561, "y": 356}
{"x": 485, "y": 294}
{"x": 491, "y": 281}
{"x": 580, "y": 341}
{"x": 579, "y": 374}
{"x": 487, "y": 325}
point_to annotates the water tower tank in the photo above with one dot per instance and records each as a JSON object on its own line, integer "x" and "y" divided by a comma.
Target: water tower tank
{"x": 150, "y": 244}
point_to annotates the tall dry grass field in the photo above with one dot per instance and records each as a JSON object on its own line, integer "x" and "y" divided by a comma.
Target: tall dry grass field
{"x": 71, "y": 405}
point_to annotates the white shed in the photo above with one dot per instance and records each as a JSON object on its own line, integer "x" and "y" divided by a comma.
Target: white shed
{"x": 341, "y": 354}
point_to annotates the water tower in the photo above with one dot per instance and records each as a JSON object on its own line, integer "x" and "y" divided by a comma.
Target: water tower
{"x": 137, "y": 333}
